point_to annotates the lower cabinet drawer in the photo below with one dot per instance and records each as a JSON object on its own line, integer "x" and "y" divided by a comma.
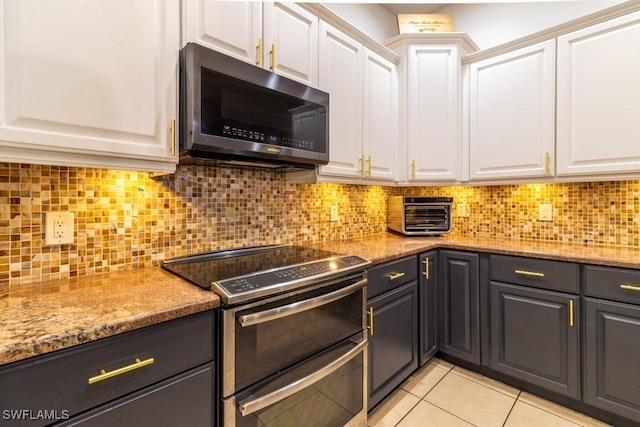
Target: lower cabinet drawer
{"x": 619, "y": 284}
{"x": 83, "y": 377}
{"x": 537, "y": 273}
{"x": 184, "y": 400}
{"x": 384, "y": 277}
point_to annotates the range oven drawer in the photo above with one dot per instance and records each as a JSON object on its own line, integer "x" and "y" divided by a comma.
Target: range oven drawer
{"x": 268, "y": 336}
{"x": 326, "y": 390}
{"x": 419, "y": 216}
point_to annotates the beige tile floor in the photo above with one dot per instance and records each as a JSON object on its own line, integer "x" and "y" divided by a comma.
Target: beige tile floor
{"x": 441, "y": 394}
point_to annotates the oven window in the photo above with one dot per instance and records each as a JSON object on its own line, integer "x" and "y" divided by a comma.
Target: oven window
{"x": 331, "y": 402}
{"x": 269, "y": 347}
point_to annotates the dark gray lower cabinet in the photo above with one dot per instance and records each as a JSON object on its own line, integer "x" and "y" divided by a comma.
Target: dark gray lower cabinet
{"x": 612, "y": 357}
{"x": 459, "y": 305}
{"x": 184, "y": 400}
{"x": 393, "y": 345}
{"x": 149, "y": 375}
{"x": 535, "y": 336}
{"x": 428, "y": 274}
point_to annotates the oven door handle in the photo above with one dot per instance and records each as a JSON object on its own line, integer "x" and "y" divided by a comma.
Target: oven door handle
{"x": 298, "y": 307}
{"x": 248, "y": 407}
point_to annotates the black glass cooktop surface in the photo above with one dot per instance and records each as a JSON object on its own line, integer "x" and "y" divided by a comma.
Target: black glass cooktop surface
{"x": 244, "y": 274}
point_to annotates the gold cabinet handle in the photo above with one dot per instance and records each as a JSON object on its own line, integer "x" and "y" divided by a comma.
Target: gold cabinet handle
{"x": 394, "y": 276}
{"x": 413, "y": 169}
{"x": 259, "y": 53}
{"x": 547, "y": 163}
{"x": 106, "y": 375}
{"x": 370, "y": 325}
{"x": 172, "y": 131}
{"x": 529, "y": 273}
{"x": 369, "y": 167}
{"x": 273, "y": 58}
{"x": 361, "y": 162}
{"x": 630, "y": 287}
{"x": 426, "y": 268}
{"x": 570, "y": 312}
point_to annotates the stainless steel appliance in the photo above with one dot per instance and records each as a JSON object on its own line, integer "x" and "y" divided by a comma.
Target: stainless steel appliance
{"x": 419, "y": 216}
{"x": 236, "y": 114}
{"x": 291, "y": 333}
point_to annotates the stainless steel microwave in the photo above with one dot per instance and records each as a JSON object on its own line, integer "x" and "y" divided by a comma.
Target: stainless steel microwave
{"x": 237, "y": 114}
{"x": 419, "y": 216}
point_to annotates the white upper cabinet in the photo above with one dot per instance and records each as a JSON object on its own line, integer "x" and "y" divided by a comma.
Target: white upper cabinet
{"x": 512, "y": 114}
{"x": 341, "y": 59}
{"x": 380, "y": 111}
{"x": 281, "y": 37}
{"x": 89, "y": 83}
{"x": 230, "y": 27}
{"x": 599, "y": 98}
{"x": 291, "y": 42}
{"x": 431, "y": 144}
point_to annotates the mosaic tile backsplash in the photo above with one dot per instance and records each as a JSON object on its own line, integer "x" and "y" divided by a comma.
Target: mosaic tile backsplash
{"x": 126, "y": 219}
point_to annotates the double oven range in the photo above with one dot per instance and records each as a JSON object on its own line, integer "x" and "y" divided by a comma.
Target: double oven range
{"x": 291, "y": 333}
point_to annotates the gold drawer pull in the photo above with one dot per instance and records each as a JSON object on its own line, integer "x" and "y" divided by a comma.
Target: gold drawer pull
{"x": 370, "y": 325}
{"x": 630, "y": 287}
{"x": 394, "y": 276}
{"x": 106, "y": 375}
{"x": 426, "y": 268}
{"x": 529, "y": 273}
{"x": 570, "y": 312}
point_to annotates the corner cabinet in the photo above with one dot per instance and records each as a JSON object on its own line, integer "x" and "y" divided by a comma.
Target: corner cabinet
{"x": 459, "y": 305}
{"x": 512, "y": 114}
{"x": 599, "y": 98}
{"x": 427, "y": 292}
{"x": 430, "y": 105}
{"x": 281, "y": 37}
{"x": 89, "y": 84}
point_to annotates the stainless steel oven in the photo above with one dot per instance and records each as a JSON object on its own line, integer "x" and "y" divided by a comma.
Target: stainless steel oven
{"x": 291, "y": 333}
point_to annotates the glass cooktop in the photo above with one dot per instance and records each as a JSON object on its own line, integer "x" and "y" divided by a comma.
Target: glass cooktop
{"x": 241, "y": 275}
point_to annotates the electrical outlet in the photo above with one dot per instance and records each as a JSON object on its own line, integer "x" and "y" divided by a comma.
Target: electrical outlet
{"x": 463, "y": 210}
{"x": 334, "y": 213}
{"x": 58, "y": 228}
{"x": 546, "y": 212}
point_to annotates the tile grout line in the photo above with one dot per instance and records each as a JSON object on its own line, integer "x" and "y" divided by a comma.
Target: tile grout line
{"x": 512, "y": 406}
{"x": 487, "y": 386}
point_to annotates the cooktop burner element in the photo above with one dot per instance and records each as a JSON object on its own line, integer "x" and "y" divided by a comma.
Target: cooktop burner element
{"x": 240, "y": 275}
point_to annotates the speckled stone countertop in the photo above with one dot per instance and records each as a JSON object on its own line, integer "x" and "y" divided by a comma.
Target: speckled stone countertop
{"x": 384, "y": 247}
{"x": 43, "y": 317}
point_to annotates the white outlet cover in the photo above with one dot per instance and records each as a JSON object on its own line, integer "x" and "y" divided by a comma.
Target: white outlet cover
{"x": 546, "y": 212}
{"x": 58, "y": 228}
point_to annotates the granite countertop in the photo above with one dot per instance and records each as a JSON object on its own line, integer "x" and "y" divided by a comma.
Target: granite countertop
{"x": 384, "y": 247}
{"x": 43, "y": 317}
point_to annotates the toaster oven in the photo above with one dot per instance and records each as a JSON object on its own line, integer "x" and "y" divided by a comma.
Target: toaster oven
{"x": 419, "y": 216}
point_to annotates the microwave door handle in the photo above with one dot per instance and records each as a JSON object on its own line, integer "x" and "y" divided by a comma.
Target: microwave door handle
{"x": 248, "y": 407}
{"x": 298, "y": 307}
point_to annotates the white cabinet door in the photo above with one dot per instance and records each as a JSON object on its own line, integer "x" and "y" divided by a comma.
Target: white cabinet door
{"x": 380, "y": 96}
{"x": 512, "y": 111}
{"x": 291, "y": 42}
{"x": 434, "y": 143}
{"x": 90, "y": 83}
{"x": 599, "y": 98}
{"x": 230, "y": 27}
{"x": 341, "y": 77}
